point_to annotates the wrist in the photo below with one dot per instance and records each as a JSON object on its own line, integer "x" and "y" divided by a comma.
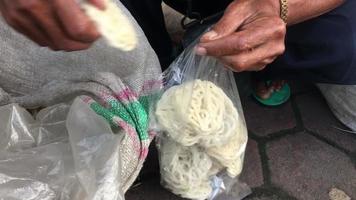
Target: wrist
{"x": 281, "y": 8}
{"x": 276, "y": 6}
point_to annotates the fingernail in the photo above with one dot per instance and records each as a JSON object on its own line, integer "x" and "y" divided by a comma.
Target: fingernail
{"x": 200, "y": 51}
{"x": 210, "y": 35}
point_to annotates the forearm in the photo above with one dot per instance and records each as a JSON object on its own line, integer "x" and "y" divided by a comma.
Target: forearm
{"x": 302, "y": 10}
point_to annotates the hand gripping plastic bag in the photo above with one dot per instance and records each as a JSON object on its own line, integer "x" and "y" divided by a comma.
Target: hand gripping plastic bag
{"x": 203, "y": 133}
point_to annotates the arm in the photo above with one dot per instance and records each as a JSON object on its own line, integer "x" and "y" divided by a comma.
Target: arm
{"x": 251, "y": 33}
{"x": 302, "y": 10}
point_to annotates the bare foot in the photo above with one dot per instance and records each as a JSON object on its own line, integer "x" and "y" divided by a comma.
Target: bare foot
{"x": 277, "y": 85}
{"x": 264, "y": 91}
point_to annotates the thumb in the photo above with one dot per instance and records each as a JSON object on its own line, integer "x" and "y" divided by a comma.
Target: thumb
{"x": 98, "y": 3}
{"x": 231, "y": 20}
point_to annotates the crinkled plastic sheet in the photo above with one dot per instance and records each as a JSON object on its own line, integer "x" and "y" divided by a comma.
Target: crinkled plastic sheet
{"x": 65, "y": 152}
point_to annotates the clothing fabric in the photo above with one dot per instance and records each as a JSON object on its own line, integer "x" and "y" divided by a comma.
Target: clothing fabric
{"x": 321, "y": 50}
{"x": 342, "y": 101}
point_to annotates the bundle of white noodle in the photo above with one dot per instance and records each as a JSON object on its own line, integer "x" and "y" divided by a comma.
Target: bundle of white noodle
{"x": 113, "y": 25}
{"x": 203, "y": 126}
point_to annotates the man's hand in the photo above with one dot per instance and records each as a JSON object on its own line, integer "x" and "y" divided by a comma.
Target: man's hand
{"x": 249, "y": 36}
{"x": 58, "y": 24}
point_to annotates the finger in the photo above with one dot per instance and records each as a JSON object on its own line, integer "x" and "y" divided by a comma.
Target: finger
{"x": 234, "y": 64}
{"x": 269, "y": 60}
{"x": 254, "y": 60}
{"x": 253, "y": 35}
{"x": 75, "y": 22}
{"x": 255, "y": 68}
{"x": 98, "y": 3}
{"x": 2, "y": 6}
{"x": 42, "y": 14}
{"x": 233, "y": 44}
{"x": 22, "y": 24}
{"x": 234, "y": 16}
{"x": 25, "y": 26}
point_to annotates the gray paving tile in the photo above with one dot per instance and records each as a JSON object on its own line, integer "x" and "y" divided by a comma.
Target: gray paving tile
{"x": 300, "y": 87}
{"x": 263, "y": 120}
{"x": 272, "y": 197}
{"x": 252, "y": 171}
{"x": 318, "y": 118}
{"x": 307, "y": 168}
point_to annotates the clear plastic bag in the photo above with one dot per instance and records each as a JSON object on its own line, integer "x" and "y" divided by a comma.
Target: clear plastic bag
{"x": 203, "y": 133}
{"x": 64, "y": 153}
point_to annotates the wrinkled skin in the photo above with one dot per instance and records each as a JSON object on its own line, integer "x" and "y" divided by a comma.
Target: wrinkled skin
{"x": 249, "y": 36}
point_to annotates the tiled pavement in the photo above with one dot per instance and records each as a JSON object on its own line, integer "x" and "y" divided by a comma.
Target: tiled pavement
{"x": 296, "y": 151}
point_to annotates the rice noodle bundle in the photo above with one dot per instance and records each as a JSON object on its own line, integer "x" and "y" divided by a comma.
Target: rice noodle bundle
{"x": 185, "y": 170}
{"x": 231, "y": 154}
{"x": 197, "y": 112}
{"x": 113, "y": 25}
{"x": 205, "y": 136}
